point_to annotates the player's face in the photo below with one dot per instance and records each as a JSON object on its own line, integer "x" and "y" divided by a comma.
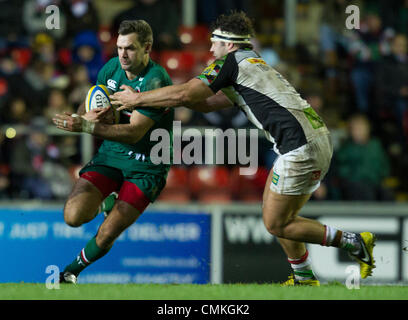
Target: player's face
{"x": 219, "y": 49}
{"x": 130, "y": 52}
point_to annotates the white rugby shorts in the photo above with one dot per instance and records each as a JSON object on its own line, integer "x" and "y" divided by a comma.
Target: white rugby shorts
{"x": 301, "y": 170}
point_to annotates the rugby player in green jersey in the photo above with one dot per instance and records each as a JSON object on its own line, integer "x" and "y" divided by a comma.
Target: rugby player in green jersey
{"x": 122, "y": 163}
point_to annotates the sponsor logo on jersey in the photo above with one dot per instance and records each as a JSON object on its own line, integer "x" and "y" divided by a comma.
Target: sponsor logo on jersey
{"x": 211, "y": 72}
{"x": 275, "y": 178}
{"x": 209, "y": 69}
{"x": 112, "y": 84}
{"x": 313, "y": 118}
{"x": 316, "y": 175}
{"x": 215, "y": 66}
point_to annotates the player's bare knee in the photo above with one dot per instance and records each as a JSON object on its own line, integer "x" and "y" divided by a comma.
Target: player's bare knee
{"x": 275, "y": 229}
{"x": 275, "y": 226}
{"x": 72, "y": 217}
{"x": 73, "y": 221}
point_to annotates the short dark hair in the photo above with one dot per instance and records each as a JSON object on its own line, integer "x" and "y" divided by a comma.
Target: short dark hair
{"x": 236, "y": 22}
{"x": 140, "y": 27}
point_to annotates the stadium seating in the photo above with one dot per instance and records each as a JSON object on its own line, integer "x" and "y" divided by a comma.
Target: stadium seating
{"x": 210, "y": 184}
{"x": 248, "y": 188}
{"x": 176, "y": 189}
{"x": 213, "y": 184}
{"x": 179, "y": 64}
{"x": 108, "y": 40}
{"x": 193, "y": 37}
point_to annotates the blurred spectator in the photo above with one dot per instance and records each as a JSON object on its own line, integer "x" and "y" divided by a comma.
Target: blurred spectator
{"x": 34, "y": 168}
{"x": 362, "y": 164}
{"x": 209, "y": 10}
{"x": 34, "y": 84}
{"x": 79, "y": 85}
{"x": 4, "y": 96}
{"x": 57, "y": 103}
{"x": 43, "y": 48}
{"x": 69, "y": 147}
{"x": 4, "y": 168}
{"x": 401, "y": 18}
{"x": 81, "y": 15}
{"x": 35, "y": 16}
{"x": 367, "y": 46}
{"x": 11, "y": 28}
{"x": 227, "y": 118}
{"x": 392, "y": 82}
{"x": 332, "y": 33}
{"x": 330, "y": 115}
{"x": 162, "y": 15}
{"x": 17, "y": 112}
{"x": 8, "y": 66}
{"x": 27, "y": 158}
{"x": 189, "y": 117}
{"x": 308, "y": 22}
{"x": 9, "y": 71}
{"x": 88, "y": 51}
{"x": 4, "y": 184}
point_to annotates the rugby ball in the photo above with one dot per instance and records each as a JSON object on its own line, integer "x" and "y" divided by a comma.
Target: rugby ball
{"x": 98, "y": 97}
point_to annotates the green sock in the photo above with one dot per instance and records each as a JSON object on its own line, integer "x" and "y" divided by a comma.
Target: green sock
{"x": 89, "y": 254}
{"x": 108, "y": 203}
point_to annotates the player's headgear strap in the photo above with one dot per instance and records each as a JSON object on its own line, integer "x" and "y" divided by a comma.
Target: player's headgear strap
{"x": 226, "y": 36}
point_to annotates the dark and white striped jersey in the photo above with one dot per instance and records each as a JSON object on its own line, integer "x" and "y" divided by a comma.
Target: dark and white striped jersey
{"x": 267, "y": 99}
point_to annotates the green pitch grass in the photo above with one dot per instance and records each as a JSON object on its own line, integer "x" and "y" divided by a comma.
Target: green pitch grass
{"x": 31, "y": 291}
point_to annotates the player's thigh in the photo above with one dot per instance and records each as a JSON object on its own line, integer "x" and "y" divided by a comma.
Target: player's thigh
{"x": 280, "y": 206}
{"x": 83, "y": 201}
{"x": 267, "y": 184}
{"x": 96, "y": 182}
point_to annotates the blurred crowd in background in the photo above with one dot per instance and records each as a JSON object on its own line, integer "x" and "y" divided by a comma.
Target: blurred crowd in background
{"x": 357, "y": 80}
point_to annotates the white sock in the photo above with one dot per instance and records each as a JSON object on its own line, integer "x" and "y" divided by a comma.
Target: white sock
{"x": 329, "y": 236}
{"x": 302, "y": 267}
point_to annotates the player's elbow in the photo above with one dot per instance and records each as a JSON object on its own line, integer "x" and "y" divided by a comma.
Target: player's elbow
{"x": 134, "y": 139}
{"x": 135, "y": 134}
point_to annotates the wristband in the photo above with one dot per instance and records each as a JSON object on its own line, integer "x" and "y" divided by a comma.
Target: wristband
{"x": 87, "y": 126}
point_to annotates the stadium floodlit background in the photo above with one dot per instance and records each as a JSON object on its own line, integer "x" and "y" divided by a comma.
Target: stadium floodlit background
{"x": 206, "y": 227}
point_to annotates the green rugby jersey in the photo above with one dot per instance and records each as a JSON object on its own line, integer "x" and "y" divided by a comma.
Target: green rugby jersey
{"x": 138, "y": 154}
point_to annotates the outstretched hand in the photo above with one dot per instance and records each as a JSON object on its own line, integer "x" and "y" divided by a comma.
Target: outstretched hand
{"x": 72, "y": 122}
{"x": 124, "y": 99}
{"x": 68, "y": 122}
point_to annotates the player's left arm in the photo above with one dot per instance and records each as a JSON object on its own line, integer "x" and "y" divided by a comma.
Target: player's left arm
{"x": 185, "y": 94}
{"x": 131, "y": 133}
